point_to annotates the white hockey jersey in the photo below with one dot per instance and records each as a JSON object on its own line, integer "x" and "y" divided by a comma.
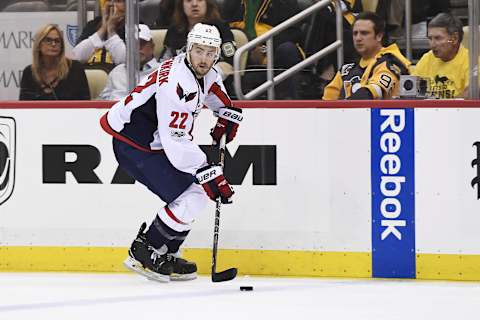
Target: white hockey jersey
{"x": 158, "y": 115}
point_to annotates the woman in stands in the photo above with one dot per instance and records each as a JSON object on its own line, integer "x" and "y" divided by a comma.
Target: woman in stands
{"x": 189, "y": 12}
{"x": 52, "y": 76}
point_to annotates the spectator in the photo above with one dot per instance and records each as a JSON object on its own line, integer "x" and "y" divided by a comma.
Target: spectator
{"x": 377, "y": 74}
{"x": 187, "y": 14}
{"x": 117, "y": 86}
{"x": 255, "y": 17}
{"x": 52, "y": 76}
{"x": 102, "y": 41}
{"x": 446, "y": 65}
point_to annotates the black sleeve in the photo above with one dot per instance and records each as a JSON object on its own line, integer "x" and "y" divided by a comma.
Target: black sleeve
{"x": 284, "y": 10}
{"x": 228, "y": 42}
{"x": 361, "y": 94}
{"x": 166, "y": 53}
{"x": 393, "y": 64}
{"x": 78, "y": 80}
{"x": 167, "y": 42}
{"x": 90, "y": 28}
{"x": 174, "y": 39}
{"x": 232, "y": 10}
{"x": 168, "y": 50}
{"x": 27, "y": 85}
{"x": 357, "y": 6}
{"x": 165, "y": 14}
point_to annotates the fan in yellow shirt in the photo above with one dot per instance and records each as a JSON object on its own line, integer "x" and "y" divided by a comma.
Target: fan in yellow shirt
{"x": 446, "y": 64}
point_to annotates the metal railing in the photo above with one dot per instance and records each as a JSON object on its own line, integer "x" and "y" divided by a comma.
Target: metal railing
{"x": 408, "y": 28}
{"x": 132, "y": 43}
{"x": 473, "y": 12}
{"x": 131, "y": 36}
{"x": 268, "y": 38}
{"x": 81, "y": 15}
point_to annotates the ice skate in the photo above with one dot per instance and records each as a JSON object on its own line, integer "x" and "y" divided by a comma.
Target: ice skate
{"x": 183, "y": 270}
{"x": 155, "y": 264}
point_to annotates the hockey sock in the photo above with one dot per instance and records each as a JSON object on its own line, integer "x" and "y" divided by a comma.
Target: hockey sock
{"x": 159, "y": 234}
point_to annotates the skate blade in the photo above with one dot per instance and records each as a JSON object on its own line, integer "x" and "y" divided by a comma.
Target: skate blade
{"x": 135, "y": 266}
{"x": 183, "y": 277}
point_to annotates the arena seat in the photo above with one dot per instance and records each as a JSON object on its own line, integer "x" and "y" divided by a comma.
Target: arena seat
{"x": 57, "y": 5}
{"x": 97, "y": 79}
{"x": 240, "y": 40}
{"x": 72, "y": 5}
{"x": 369, "y": 5}
{"x": 466, "y": 44}
{"x": 466, "y": 36}
{"x": 26, "y": 6}
{"x": 158, "y": 36}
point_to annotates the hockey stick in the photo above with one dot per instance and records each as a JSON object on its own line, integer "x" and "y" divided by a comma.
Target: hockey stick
{"x": 231, "y": 273}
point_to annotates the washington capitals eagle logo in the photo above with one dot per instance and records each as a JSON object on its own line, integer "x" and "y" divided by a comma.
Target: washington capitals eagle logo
{"x": 182, "y": 95}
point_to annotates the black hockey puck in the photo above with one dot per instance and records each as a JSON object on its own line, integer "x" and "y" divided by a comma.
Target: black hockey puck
{"x": 246, "y": 288}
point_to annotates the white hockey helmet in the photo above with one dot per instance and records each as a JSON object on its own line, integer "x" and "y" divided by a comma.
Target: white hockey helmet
{"x": 204, "y": 34}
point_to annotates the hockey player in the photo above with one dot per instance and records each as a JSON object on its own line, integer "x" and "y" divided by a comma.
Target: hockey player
{"x": 152, "y": 141}
{"x": 377, "y": 74}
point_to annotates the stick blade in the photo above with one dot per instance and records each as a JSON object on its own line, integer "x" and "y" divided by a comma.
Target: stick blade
{"x": 226, "y": 275}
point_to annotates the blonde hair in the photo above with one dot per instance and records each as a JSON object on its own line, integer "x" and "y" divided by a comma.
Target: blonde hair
{"x": 63, "y": 63}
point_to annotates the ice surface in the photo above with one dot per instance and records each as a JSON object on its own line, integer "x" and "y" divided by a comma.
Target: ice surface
{"x": 70, "y": 296}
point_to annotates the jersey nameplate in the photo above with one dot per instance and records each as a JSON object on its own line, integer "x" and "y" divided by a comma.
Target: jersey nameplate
{"x": 164, "y": 72}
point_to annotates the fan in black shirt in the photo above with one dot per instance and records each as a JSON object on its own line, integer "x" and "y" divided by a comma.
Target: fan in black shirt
{"x": 52, "y": 76}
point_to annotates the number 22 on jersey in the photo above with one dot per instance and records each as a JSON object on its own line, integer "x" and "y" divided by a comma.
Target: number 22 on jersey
{"x": 178, "y": 120}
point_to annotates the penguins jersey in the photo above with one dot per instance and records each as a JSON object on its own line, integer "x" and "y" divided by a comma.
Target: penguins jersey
{"x": 158, "y": 115}
{"x": 378, "y": 77}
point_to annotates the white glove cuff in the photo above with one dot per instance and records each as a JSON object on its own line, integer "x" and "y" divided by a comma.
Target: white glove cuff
{"x": 209, "y": 174}
{"x": 230, "y": 115}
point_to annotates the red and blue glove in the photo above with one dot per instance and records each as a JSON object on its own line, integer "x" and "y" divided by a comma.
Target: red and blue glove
{"x": 228, "y": 120}
{"x": 214, "y": 183}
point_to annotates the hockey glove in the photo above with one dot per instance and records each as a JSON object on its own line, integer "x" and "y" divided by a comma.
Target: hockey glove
{"x": 228, "y": 120}
{"x": 214, "y": 183}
